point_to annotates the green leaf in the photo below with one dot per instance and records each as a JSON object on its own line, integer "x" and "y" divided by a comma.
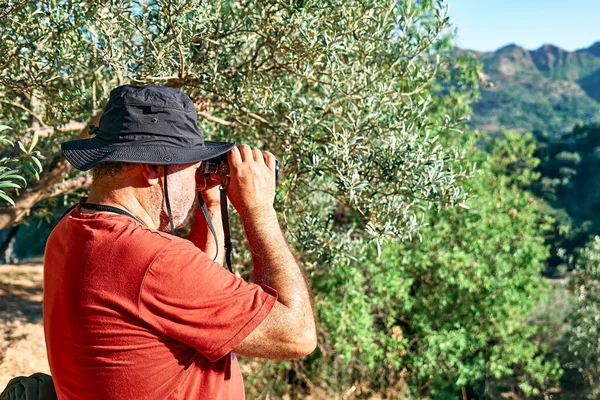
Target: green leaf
{"x": 34, "y": 141}
{"x": 9, "y": 172}
{"x": 10, "y": 185}
{"x": 8, "y": 199}
{"x": 4, "y": 127}
{"x": 31, "y": 169}
{"x": 22, "y": 148}
{"x": 14, "y": 177}
{"x": 37, "y": 163}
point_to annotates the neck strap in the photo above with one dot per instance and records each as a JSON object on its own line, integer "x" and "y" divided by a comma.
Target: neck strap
{"x": 225, "y": 218}
{"x": 168, "y": 203}
{"x": 105, "y": 208}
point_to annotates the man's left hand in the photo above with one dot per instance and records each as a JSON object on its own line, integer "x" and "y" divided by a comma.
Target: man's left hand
{"x": 208, "y": 186}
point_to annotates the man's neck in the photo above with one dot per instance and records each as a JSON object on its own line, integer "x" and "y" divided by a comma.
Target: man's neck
{"x": 127, "y": 199}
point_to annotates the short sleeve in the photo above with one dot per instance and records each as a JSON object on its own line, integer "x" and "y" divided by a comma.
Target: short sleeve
{"x": 187, "y": 296}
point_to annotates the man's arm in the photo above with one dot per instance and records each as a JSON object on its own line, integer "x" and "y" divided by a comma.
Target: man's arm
{"x": 289, "y": 329}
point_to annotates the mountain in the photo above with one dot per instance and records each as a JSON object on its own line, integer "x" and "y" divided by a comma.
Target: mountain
{"x": 545, "y": 90}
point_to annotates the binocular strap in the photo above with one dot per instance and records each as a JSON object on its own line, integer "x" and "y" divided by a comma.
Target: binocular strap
{"x": 226, "y": 230}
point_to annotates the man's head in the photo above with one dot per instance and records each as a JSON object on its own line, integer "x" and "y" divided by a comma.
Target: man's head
{"x": 146, "y": 183}
{"x": 145, "y": 124}
{"x": 148, "y": 128}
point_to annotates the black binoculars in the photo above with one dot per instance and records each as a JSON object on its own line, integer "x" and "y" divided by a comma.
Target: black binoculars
{"x": 219, "y": 166}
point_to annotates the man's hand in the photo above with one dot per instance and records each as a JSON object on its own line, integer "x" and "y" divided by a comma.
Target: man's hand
{"x": 209, "y": 188}
{"x": 252, "y": 185}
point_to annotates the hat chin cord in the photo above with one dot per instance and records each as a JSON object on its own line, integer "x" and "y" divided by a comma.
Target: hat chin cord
{"x": 168, "y": 203}
{"x": 224, "y": 216}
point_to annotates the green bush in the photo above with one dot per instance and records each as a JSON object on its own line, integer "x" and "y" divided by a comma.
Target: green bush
{"x": 430, "y": 318}
{"x": 568, "y": 168}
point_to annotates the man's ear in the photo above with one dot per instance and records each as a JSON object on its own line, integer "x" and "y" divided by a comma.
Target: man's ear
{"x": 151, "y": 173}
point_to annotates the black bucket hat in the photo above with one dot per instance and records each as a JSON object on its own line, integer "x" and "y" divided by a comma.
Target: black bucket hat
{"x": 145, "y": 125}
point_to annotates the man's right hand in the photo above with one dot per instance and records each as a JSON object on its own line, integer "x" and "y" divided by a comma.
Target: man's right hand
{"x": 252, "y": 186}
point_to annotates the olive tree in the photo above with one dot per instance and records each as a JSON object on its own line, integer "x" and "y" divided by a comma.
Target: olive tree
{"x": 360, "y": 102}
{"x": 340, "y": 91}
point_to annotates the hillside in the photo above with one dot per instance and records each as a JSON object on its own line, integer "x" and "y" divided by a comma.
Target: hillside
{"x": 547, "y": 89}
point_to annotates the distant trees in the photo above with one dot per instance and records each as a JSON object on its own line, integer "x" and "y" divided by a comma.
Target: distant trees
{"x": 570, "y": 186}
{"x": 547, "y": 89}
{"x": 583, "y": 337}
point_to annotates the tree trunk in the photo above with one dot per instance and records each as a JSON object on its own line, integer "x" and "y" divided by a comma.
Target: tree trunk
{"x": 42, "y": 189}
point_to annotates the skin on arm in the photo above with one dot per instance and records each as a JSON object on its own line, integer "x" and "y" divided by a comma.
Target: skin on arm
{"x": 289, "y": 329}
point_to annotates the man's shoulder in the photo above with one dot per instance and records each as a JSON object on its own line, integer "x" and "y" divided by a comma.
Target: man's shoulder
{"x": 118, "y": 231}
{"x": 169, "y": 249}
{"x": 144, "y": 233}
{"x": 160, "y": 241}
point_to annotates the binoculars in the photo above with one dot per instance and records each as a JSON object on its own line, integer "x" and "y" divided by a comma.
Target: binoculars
{"x": 219, "y": 166}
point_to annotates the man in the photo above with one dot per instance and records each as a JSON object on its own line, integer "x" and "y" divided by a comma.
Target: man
{"x": 132, "y": 312}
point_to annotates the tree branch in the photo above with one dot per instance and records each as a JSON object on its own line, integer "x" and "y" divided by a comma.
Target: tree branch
{"x": 27, "y": 110}
{"x": 257, "y": 117}
{"x": 217, "y": 98}
{"x": 69, "y": 126}
{"x": 156, "y": 78}
{"x": 78, "y": 182}
{"x": 220, "y": 99}
{"x": 44, "y": 187}
{"x": 13, "y": 9}
{"x": 419, "y": 89}
{"x": 42, "y": 133}
{"x": 212, "y": 118}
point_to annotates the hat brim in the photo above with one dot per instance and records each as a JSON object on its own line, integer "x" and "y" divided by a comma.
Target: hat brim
{"x": 85, "y": 153}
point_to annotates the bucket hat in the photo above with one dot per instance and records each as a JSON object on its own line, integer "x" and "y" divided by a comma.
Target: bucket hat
{"x": 145, "y": 125}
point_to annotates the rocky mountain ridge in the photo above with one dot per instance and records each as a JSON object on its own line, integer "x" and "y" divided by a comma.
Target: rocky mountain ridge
{"x": 548, "y": 89}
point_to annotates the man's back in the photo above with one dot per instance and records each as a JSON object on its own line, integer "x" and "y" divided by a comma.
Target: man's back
{"x": 130, "y": 312}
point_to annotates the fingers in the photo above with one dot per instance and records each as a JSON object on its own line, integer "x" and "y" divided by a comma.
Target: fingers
{"x": 234, "y": 157}
{"x": 246, "y": 152}
{"x": 257, "y": 154}
{"x": 269, "y": 160}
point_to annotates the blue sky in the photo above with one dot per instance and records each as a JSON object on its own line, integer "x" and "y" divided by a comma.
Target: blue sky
{"x": 489, "y": 24}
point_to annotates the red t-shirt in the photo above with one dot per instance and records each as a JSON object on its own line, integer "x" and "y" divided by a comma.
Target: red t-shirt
{"x": 133, "y": 313}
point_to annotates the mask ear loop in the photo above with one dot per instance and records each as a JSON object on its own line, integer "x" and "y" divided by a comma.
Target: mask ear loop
{"x": 168, "y": 203}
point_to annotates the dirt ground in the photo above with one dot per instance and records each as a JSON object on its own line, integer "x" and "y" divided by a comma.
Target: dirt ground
{"x": 22, "y": 346}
